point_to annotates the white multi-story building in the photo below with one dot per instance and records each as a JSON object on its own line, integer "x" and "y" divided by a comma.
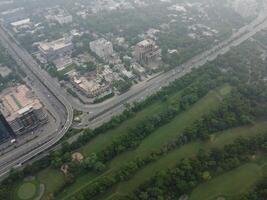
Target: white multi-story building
{"x": 102, "y": 48}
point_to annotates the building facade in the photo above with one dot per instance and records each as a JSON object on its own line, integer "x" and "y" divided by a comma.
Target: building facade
{"x": 102, "y": 48}
{"x": 22, "y": 110}
{"x": 146, "y": 51}
{"x": 6, "y": 131}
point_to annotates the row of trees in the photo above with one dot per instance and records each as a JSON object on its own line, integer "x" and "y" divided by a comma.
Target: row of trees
{"x": 259, "y": 192}
{"x": 181, "y": 180}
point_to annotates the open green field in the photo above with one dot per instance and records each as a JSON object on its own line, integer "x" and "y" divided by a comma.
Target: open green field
{"x": 52, "y": 180}
{"x": 166, "y": 133}
{"x": 27, "y": 190}
{"x": 219, "y": 140}
{"x": 230, "y": 184}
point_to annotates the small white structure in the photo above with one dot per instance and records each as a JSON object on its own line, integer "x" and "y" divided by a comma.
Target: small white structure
{"x": 21, "y": 22}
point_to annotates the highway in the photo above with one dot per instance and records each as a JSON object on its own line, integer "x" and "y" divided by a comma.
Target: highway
{"x": 62, "y": 104}
{"x": 57, "y": 104}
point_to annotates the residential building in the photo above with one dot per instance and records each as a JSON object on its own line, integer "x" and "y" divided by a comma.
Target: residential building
{"x": 102, "y": 48}
{"x": 147, "y": 51}
{"x": 22, "y": 109}
{"x": 52, "y": 50}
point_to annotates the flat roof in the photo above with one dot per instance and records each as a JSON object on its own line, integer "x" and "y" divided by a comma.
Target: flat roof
{"x": 145, "y": 43}
{"x": 21, "y": 22}
{"x": 55, "y": 45}
{"x": 18, "y": 100}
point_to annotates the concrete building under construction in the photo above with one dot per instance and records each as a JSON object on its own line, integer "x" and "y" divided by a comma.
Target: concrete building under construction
{"x": 22, "y": 109}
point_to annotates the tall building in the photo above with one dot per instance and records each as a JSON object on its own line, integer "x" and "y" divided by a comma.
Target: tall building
{"x": 22, "y": 110}
{"x": 6, "y": 131}
{"x": 146, "y": 51}
{"x": 102, "y": 48}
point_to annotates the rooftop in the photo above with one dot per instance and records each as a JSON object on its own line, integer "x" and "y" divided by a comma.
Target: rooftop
{"x": 21, "y": 22}
{"x": 18, "y": 100}
{"x": 55, "y": 45}
{"x": 145, "y": 43}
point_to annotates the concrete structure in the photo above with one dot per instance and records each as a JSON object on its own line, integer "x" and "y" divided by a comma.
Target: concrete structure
{"x": 146, "y": 51}
{"x": 102, "y": 48}
{"x": 22, "y": 110}
{"x": 57, "y": 48}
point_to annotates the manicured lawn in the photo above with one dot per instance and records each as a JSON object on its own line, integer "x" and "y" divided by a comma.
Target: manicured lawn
{"x": 52, "y": 179}
{"x": 81, "y": 180}
{"x": 229, "y": 184}
{"x": 27, "y": 190}
{"x": 228, "y": 136}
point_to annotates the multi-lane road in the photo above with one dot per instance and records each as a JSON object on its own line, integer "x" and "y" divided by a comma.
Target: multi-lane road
{"x": 62, "y": 105}
{"x": 57, "y": 104}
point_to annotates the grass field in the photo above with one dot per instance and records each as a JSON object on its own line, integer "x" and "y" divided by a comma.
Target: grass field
{"x": 27, "y": 190}
{"x": 168, "y": 132}
{"x": 229, "y": 184}
{"x": 52, "y": 179}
